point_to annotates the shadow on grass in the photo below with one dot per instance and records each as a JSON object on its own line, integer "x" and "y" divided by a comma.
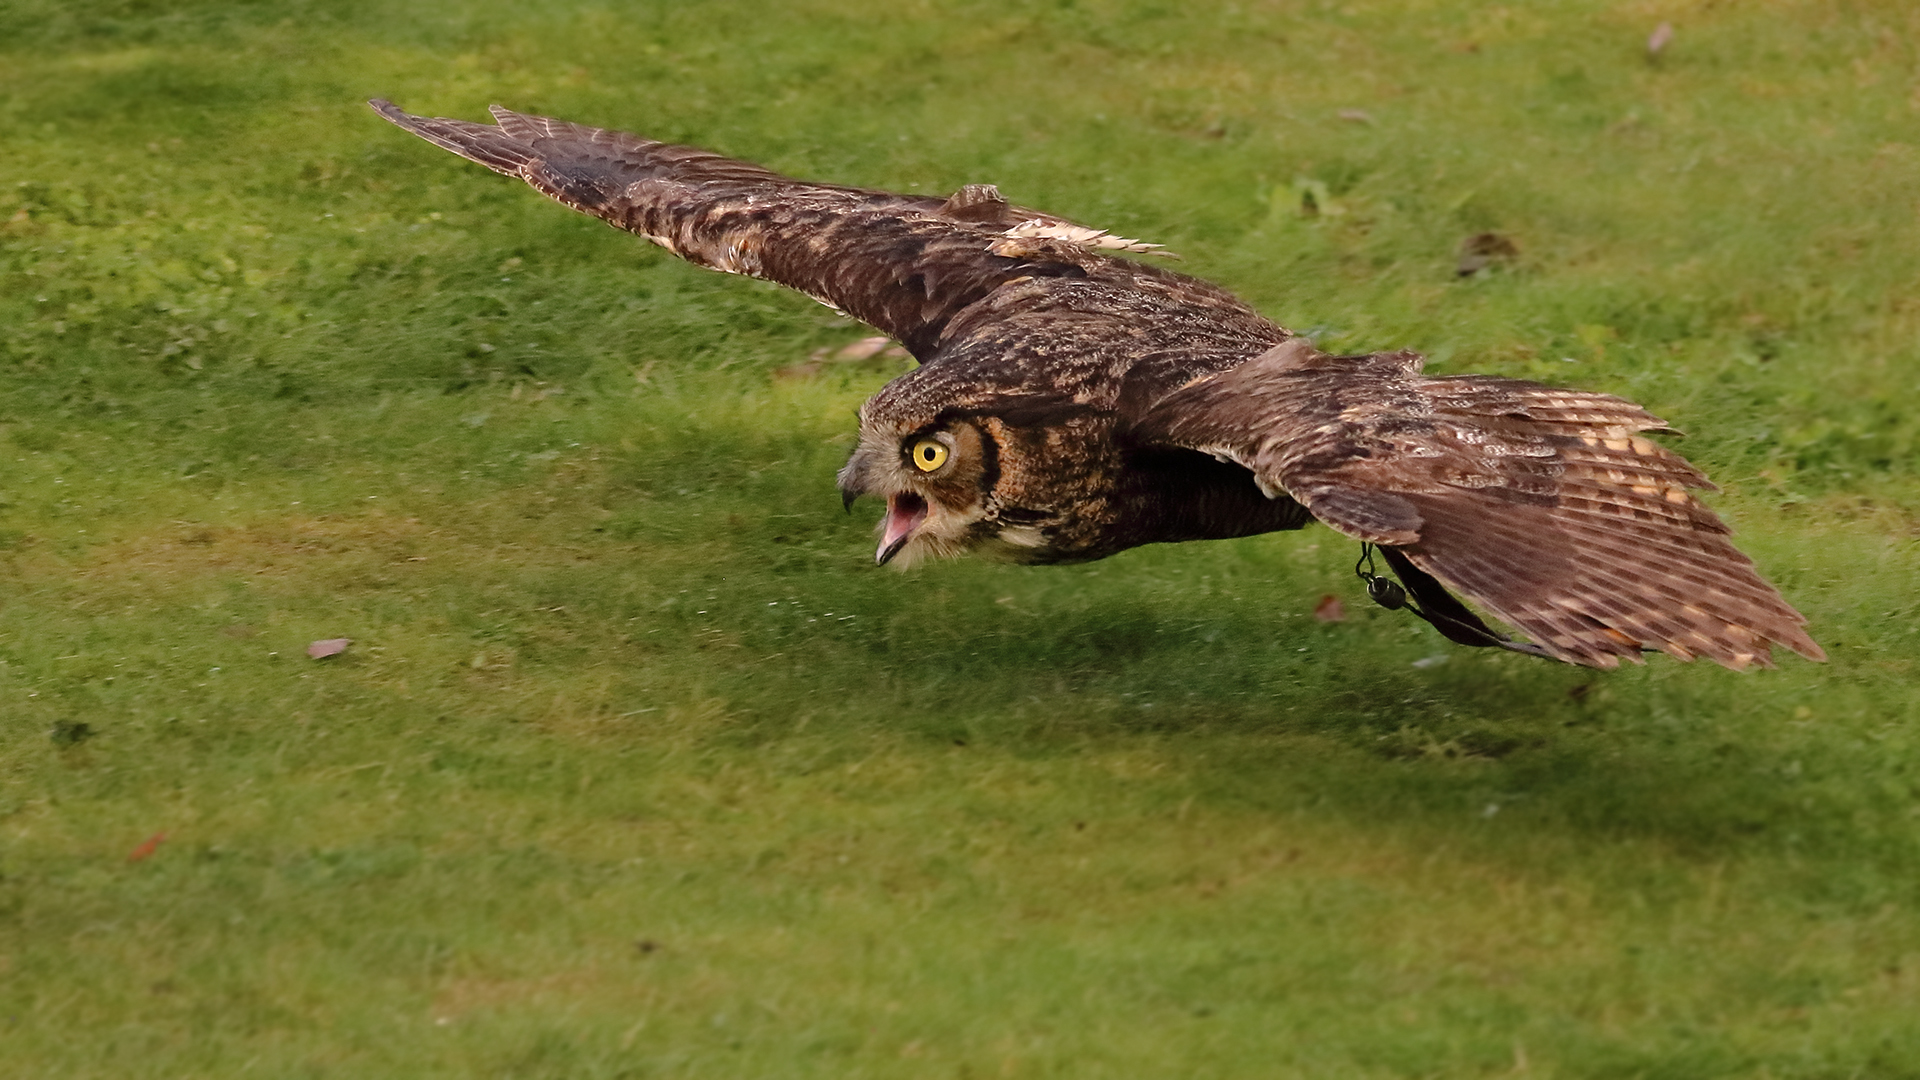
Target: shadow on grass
{"x": 1190, "y": 653}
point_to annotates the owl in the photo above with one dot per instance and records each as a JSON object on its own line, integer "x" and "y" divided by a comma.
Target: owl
{"x": 1070, "y": 403}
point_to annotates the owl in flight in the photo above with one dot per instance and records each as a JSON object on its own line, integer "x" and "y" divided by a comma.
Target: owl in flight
{"x": 1070, "y": 404}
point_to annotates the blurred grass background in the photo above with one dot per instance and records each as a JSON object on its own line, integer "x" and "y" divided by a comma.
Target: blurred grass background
{"x": 636, "y": 767}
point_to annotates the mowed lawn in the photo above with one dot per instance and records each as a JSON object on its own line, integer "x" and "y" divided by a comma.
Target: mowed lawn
{"x": 637, "y": 767}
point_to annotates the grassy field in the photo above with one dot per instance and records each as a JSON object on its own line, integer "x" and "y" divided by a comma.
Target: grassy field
{"x": 637, "y": 767}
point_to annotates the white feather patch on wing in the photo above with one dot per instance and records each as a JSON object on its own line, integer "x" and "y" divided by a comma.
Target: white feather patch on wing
{"x": 739, "y": 258}
{"x": 1079, "y": 235}
{"x": 1025, "y": 536}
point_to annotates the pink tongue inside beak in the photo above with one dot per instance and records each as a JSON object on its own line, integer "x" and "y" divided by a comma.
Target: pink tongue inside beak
{"x": 905, "y": 512}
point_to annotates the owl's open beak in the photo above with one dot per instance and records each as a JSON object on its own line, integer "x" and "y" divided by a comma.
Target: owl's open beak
{"x": 905, "y": 512}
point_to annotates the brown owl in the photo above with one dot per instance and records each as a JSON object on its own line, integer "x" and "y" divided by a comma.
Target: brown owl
{"x": 1070, "y": 404}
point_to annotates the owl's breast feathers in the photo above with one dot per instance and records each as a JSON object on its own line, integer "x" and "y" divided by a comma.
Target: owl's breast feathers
{"x": 1130, "y": 404}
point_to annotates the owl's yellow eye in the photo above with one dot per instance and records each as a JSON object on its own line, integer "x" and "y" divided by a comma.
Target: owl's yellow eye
{"x": 928, "y": 454}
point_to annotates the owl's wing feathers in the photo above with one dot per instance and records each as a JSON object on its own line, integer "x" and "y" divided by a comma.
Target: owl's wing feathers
{"x": 904, "y": 264}
{"x": 1547, "y": 507}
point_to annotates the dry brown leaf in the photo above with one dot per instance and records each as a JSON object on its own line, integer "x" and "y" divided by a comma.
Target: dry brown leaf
{"x": 147, "y": 847}
{"x": 1330, "y": 609}
{"x": 1481, "y": 250}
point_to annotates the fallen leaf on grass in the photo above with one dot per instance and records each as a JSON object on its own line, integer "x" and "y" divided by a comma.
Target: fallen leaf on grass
{"x": 68, "y": 733}
{"x": 1330, "y": 609}
{"x": 1661, "y": 36}
{"x": 147, "y": 847}
{"x": 1481, "y": 250}
{"x": 320, "y": 650}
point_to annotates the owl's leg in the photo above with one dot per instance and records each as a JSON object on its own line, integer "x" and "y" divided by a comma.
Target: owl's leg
{"x": 1432, "y": 602}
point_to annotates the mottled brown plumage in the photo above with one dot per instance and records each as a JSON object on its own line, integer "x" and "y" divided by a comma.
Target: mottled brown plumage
{"x": 1070, "y": 404}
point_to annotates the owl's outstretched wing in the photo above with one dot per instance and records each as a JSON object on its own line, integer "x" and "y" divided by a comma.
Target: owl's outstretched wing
{"x": 1546, "y": 507}
{"x": 904, "y": 264}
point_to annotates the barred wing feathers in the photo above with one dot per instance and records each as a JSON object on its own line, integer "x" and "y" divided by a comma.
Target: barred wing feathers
{"x": 1547, "y": 507}
{"x": 904, "y": 264}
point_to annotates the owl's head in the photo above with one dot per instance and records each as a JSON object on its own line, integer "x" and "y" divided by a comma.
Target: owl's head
{"x": 937, "y": 475}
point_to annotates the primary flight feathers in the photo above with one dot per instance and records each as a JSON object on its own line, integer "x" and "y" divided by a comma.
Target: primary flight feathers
{"x": 1070, "y": 404}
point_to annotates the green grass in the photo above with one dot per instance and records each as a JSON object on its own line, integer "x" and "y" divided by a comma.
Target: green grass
{"x": 636, "y": 767}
